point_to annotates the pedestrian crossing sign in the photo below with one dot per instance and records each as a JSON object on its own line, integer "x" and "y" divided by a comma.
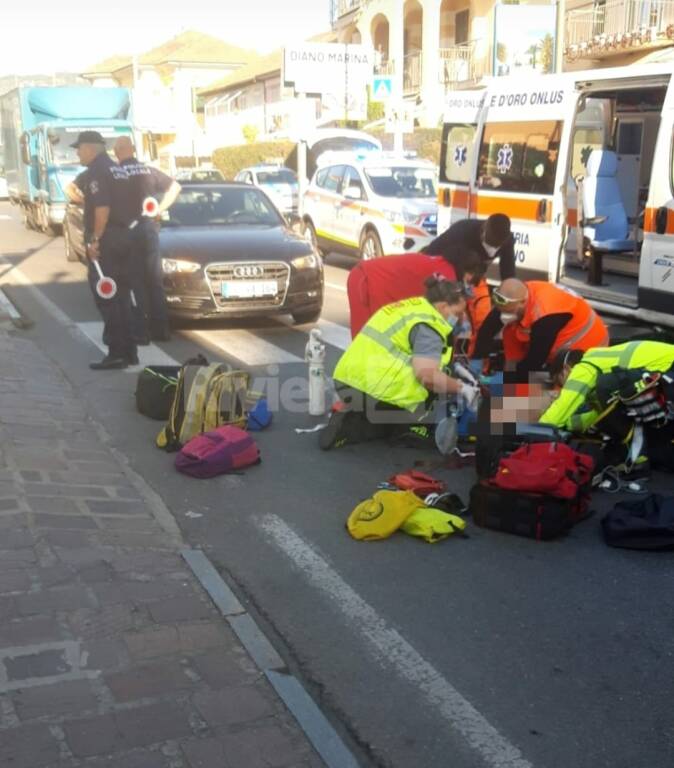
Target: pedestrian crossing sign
{"x": 382, "y": 88}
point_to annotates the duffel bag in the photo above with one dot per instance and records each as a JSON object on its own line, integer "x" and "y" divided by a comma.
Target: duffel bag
{"x": 642, "y": 524}
{"x": 553, "y": 469}
{"x": 532, "y": 515}
{"x": 155, "y": 389}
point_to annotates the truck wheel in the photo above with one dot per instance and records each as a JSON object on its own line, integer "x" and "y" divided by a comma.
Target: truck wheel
{"x": 70, "y": 251}
{"x": 370, "y": 246}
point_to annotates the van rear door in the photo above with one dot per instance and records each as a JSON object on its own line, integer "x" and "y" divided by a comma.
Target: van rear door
{"x": 656, "y": 267}
{"x": 525, "y": 131}
{"x": 458, "y": 155}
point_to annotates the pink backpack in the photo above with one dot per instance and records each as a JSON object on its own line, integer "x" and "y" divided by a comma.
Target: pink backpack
{"x": 224, "y": 449}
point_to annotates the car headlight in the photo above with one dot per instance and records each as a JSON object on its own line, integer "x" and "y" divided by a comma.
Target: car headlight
{"x": 305, "y": 262}
{"x": 179, "y": 265}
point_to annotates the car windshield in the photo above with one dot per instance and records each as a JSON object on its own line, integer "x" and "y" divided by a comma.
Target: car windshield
{"x": 393, "y": 181}
{"x": 222, "y": 206}
{"x": 276, "y": 177}
{"x": 212, "y": 177}
{"x": 60, "y": 139}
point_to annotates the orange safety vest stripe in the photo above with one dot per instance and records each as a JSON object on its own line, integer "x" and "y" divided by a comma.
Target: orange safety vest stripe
{"x": 584, "y": 330}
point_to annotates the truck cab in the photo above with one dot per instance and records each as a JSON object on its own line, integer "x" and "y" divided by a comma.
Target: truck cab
{"x": 39, "y": 125}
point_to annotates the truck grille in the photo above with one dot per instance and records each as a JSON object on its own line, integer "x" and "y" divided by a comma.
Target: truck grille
{"x": 248, "y": 272}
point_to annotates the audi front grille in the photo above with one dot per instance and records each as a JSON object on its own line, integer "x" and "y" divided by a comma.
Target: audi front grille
{"x": 237, "y": 273}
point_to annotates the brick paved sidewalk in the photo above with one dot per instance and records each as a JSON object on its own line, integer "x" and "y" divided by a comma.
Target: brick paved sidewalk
{"x": 111, "y": 654}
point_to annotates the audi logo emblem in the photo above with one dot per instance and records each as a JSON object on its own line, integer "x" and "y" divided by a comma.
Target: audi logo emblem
{"x": 248, "y": 271}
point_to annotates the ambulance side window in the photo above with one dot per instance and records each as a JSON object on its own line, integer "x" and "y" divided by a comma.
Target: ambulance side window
{"x": 457, "y": 153}
{"x": 519, "y": 157}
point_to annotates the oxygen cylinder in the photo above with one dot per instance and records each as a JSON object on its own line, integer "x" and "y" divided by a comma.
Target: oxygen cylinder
{"x": 314, "y": 355}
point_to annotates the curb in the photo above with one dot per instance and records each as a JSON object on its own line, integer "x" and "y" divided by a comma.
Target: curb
{"x": 324, "y": 738}
{"x": 8, "y": 309}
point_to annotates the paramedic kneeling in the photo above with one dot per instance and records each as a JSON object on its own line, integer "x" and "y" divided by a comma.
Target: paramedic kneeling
{"x": 609, "y": 390}
{"x": 396, "y": 364}
{"x": 538, "y": 320}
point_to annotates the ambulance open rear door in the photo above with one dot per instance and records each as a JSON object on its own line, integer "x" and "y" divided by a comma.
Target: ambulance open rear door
{"x": 522, "y": 167}
{"x": 458, "y": 155}
{"x": 656, "y": 267}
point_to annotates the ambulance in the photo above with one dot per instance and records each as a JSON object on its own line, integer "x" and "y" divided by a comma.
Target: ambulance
{"x": 583, "y": 163}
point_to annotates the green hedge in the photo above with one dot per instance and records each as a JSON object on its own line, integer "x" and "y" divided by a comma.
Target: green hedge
{"x": 230, "y": 160}
{"x": 424, "y": 141}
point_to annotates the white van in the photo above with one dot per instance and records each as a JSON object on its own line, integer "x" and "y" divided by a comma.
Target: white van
{"x": 555, "y": 150}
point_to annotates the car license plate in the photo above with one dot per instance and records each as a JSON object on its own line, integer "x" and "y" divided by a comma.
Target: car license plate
{"x": 248, "y": 289}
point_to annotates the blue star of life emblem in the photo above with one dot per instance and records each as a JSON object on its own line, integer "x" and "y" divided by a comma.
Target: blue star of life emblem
{"x": 504, "y": 159}
{"x": 460, "y": 154}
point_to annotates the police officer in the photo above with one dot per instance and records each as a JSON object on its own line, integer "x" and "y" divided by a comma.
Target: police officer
{"x": 108, "y": 211}
{"x": 150, "y": 314}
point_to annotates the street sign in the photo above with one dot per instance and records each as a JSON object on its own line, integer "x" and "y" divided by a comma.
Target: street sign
{"x": 382, "y": 88}
{"x": 399, "y": 118}
{"x": 327, "y": 67}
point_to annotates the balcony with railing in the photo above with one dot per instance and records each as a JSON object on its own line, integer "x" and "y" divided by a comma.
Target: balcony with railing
{"x": 412, "y": 73}
{"x": 598, "y": 29}
{"x": 460, "y": 67}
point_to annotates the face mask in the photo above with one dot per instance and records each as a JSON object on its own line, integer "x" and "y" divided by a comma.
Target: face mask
{"x": 509, "y": 317}
{"x": 490, "y": 249}
{"x": 452, "y": 320}
{"x": 469, "y": 290}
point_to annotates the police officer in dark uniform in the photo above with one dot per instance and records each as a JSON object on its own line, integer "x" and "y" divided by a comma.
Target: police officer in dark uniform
{"x": 150, "y": 313}
{"x": 108, "y": 212}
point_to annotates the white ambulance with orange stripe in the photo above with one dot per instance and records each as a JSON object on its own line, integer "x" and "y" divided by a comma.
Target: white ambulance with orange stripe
{"x": 371, "y": 204}
{"x": 553, "y": 151}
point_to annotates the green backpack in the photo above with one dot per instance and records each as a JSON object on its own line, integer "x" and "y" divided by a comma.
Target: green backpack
{"x": 206, "y": 397}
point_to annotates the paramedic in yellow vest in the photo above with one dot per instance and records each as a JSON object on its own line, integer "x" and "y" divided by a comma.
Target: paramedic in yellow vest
{"x": 613, "y": 388}
{"x": 389, "y": 374}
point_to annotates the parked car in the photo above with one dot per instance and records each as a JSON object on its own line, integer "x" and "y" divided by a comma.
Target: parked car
{"x": 278, "y": 182}
{"x": 227, "y": 252}
{"x": 200, "y": 176}
{"x": 371, "y": 205}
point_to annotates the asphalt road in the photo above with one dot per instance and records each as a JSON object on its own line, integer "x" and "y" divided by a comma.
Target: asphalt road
{"x": 489, "y": 651}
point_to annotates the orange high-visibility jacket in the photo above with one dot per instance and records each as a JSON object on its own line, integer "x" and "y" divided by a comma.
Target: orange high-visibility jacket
{"x": 584, "y": 330}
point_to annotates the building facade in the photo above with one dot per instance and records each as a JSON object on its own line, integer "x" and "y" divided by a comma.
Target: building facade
{"x": 165, "y": 83}
{"x": 439, "y": 45}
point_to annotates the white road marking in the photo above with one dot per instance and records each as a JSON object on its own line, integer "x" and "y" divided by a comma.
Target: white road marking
{"x": 246, "y": 347}
{"x": 8, "y": 306}
{"x": 55, "y": 311}
{"x": 337, "y": 335}
{"x": 336, "y": 287}
{"x": 389, "y": 647}
{"x": 150, "y": 355}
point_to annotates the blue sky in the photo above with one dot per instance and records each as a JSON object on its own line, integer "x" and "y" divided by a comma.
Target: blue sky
{"x": 56, "y": 35}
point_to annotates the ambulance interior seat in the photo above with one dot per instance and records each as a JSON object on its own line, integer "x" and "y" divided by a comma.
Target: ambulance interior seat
{"x": 604, "y": 221}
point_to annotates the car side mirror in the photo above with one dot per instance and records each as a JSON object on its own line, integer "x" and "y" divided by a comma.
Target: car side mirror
{"x": 353, "y": 193}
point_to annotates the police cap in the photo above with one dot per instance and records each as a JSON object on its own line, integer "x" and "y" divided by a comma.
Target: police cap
{"x": 88, "y": 137}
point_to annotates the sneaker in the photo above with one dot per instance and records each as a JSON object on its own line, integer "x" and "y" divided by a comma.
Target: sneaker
{"x": 334, "y": 435}
{"x": 109, "y": 363}
{"x": 416, "y": 436}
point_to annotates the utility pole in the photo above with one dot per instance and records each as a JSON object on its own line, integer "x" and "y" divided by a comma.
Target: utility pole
{"x": 559, "y": 36}
{"x": 346, "y": 85}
